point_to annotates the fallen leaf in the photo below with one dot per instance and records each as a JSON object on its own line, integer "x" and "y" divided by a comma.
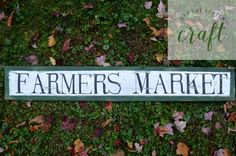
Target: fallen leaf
{"x": 154, "y": 153}
{"x": 100, "y": 60}
{"x": 32, "y": 59}
{"x": 13, "y": 142}
{"x": 28, "y": 103}
{"x": 159, "y": 57}
{"x": 107, "y": 122}
{"x": 161, "y": 131}
{"x": 222, "y": 152}
{"x": 38, "y": 119}
{"x": 180, "y": 125}
{"x": 21, "y": 124}
{"x": 118, "y": 63}
{"x": 138, "y": 147}
{"x": 51, "y": 41}
{"x": 153, "y": 39}
{"x": 206, "y": 130}
{"x": 122, "y": 25}
{"x": 218, "y": 125}
{"x": 182, "y": 149}
{"x": 66, "y": 46}
{"x": 130, "y": 145}
{"x": 53, "y": 61}
{"x": 119, "y": 152}
{"x": 109, "y": 106}
{"x": 79, "y": 146}
{"x": 1, "y": 150}
{"x": 69, "y": 124}
{"x": 131, "y": 57}
{"x": 117, "y": 142}
{"x": 178, "y": 115}
{"x": 90, "y": 47}
{"x": 34, "y": 128}
{"x": 147, "y": 4}
{"x": 98, "y": 132}
{"x": 88, "y": 5}
{"x": 10, "y": 19}
{"x": 147, "y": 21}
{"x": 161, "y": 10}
{"x": 208, "y": 116}
{"x": 228, "y": 105}
{"x": 232, "y": 118}
{"x": 2, "y": 15}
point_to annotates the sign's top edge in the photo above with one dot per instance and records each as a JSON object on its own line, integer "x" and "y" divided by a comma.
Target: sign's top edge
{"x": 117, "y": 68}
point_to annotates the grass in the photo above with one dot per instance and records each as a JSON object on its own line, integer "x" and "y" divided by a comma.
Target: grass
{"x": 135, "y": 119}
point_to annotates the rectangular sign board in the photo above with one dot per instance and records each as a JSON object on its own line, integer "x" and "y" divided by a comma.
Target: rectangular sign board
{"x": 119, "y": 83}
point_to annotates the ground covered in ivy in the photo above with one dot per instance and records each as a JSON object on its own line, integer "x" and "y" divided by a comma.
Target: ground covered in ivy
{"x": 102, "y": 33}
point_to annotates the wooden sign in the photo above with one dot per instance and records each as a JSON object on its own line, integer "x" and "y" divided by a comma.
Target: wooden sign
{"x": 119, "y": 84}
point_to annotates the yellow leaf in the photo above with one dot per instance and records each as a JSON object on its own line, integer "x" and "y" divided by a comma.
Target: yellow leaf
{"x": 147, "y": 20}
{"x": 182, "y": 149}
{"x": 130, "y": 145}
{"x": 51, "y": 41}
{"x": 160, "y": 57}
{"x": 79, "y": 146}
{"x": 53, "y": 61}
{"x": 107, "y": 122}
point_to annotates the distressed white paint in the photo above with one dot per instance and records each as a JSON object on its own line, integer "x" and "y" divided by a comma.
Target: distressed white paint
{"x": 127, "y": 80}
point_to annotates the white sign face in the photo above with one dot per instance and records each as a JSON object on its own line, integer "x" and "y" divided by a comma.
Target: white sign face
{"x": 109, "y": 84}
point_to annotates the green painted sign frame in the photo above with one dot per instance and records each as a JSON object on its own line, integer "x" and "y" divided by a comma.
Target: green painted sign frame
{"x": 7, "y": 69}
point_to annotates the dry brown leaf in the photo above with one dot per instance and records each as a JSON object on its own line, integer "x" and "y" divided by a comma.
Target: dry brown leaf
{"x": 38, "y": 119}
{"x": 53, "y": 61}
{"x": 119, "y": 152}
{"x": 147, "y": 21}
{"x": 232, "y": 118}
{"x": 14, "y": 142}
{"x": 10, "y": 19}
{"x": 130, "y": 145}
{"x": 34, "y": 128}
{"x": 182, "y": 149}
{"x": 227, "y": 152}
{"x": 21, "y": 124}
{"x": 107, "y": 122}
{"x": 79, "y": 146}
{"x": 159, "y": 57}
